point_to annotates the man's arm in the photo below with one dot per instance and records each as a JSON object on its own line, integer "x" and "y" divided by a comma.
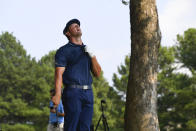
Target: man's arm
{"x": 58, "y": 84}
{"x": 96, "y": 68}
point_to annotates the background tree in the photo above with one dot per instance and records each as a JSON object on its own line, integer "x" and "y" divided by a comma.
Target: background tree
{"x": 186, "y": 48}
{"x": 22, "y": 92}
{"x": 177, "y": 92}
{"x": 120, "y": 81}
{"x": 140, "y": 113}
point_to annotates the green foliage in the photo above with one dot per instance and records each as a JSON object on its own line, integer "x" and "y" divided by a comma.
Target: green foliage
{"x": 173, "y": 96}
{"x": 176, "y": 95}
{"x": 186, "y": 48}
{"x": 123, "y": 70}
{"x": 166, "y": 57}
{"x": 120, "y": 82}
{"x": 17, "y": 127}
{"x": 24, "y": 92}
{"x": 102, "y": 91}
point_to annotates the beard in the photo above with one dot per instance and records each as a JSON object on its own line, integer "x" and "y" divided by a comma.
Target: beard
{"x": 77, "y": 34}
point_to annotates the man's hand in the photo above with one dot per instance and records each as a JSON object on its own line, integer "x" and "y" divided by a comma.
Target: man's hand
{"x": 60, "y": 114}
{"x": 53, "y": 110}
{"x": 87, "y": 50}
{"x": 56, "y": 99}
{"x": 96, "y": 68}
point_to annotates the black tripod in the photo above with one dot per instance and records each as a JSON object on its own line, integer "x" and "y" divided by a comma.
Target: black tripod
{"x": 104, "y": 120}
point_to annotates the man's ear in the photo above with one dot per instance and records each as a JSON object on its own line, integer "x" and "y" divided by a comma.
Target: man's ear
{"x": 67, "y": 33}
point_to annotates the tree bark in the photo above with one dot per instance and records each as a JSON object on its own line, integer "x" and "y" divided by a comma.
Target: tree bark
{"x": 141, "y": 100}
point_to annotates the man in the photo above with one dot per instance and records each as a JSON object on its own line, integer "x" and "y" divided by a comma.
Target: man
{"x": 73, "y": 67}
{"x": 56, "y": 119}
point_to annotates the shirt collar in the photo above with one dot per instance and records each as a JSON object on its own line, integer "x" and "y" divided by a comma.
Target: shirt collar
{"x": 73, "y": 44}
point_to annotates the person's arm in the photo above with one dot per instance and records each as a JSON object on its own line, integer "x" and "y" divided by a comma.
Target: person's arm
{"x": 96, "y": 68}
{"x": 53, "y": 110}
{"x": 60, "y": 111}
{"x": 52, "y": 107}
{"x": 58, "y": 84}
{"x": 60, "y": 114}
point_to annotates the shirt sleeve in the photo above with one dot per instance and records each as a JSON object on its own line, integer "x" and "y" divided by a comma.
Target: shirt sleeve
{"x": 60, "y": 58}
{"x": 51, "y": 104}
{"x": 60, "y": 107}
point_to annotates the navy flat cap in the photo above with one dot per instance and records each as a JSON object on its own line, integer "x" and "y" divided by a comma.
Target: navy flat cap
{"x": 69, "y": 23}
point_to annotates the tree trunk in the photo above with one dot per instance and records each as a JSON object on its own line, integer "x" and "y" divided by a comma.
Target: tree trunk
{"x": 141, "y": 101}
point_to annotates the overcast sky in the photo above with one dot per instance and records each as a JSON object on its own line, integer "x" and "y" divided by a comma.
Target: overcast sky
{"x": 38, "y": 25}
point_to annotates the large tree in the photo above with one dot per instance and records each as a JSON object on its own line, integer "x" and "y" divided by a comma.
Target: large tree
{"x": 141, "y": 100}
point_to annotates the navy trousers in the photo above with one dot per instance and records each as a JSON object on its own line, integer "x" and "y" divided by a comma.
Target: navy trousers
{"x": 78, "y": 108}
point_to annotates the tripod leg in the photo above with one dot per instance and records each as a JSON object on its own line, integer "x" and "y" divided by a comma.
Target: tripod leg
{"x": 98, "y": 123}
{"x": 105, "y": 123}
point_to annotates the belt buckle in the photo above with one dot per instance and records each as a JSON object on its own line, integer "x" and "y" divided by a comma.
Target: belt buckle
{"x": 85, "y": 87}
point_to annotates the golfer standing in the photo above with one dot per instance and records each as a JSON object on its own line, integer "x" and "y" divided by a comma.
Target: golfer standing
{"x": 73, "y": 66}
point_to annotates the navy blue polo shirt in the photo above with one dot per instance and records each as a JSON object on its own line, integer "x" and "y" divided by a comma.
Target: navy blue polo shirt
{"x": 77, "y": 64}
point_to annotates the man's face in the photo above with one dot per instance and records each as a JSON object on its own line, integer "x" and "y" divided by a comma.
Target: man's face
{"x": 74, "y": 30}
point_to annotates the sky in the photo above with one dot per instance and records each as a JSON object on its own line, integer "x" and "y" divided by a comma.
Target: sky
{"x": 38, "y": 25}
